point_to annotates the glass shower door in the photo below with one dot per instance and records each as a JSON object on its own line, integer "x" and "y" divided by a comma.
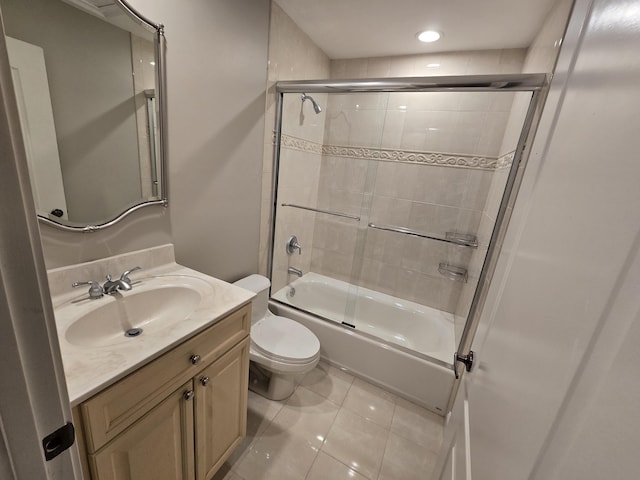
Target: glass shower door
{"x": 320, "y": 197}
{"x": 393, "y": 198}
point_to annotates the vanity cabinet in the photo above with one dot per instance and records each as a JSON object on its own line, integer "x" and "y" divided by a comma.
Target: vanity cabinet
{"x": 178, "y": 417}
{"x": 159, "y": 445}
{"x": 221, "y": 409}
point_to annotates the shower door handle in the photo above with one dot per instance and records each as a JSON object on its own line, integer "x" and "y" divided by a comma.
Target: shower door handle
{"x": 466, "y": 359}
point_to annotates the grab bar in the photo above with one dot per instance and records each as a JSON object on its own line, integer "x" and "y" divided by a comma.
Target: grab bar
{"x": 459, "y": 274}
{"x": 461, "y": 239}
{"x": 336, "y": 214}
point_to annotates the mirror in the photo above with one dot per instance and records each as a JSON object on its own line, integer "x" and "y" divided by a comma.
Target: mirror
{"x": 88, "y": 82}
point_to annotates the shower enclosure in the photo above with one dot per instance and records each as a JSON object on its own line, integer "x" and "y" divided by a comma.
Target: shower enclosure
{"x": 389, "y": 197}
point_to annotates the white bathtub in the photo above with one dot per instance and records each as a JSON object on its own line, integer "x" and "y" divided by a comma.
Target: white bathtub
{"x": 387, "y": 332}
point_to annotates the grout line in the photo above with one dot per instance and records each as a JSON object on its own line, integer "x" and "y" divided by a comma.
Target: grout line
{"x": 315, "y": 459}
{"x": 321, "y": 449}
{"x": 348, "y": 466}
{"x": 395, "y": 406}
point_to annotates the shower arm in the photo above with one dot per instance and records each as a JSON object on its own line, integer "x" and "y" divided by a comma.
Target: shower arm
{"x": 316, "y": 107}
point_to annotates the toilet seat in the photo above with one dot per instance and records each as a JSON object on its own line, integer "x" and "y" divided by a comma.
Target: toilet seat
{"x": 284, "y": 340}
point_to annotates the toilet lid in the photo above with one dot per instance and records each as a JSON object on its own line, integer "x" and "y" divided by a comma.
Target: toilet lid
{"x": 284, "y": 339}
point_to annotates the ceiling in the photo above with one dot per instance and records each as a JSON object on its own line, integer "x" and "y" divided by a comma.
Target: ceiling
{"x": 376, "y": 28}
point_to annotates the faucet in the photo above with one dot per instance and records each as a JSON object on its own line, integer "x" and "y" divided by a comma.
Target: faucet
{"x": 124, "y": 283}
{"x": 95, "y": 290}
{"x": 295, "y": 271}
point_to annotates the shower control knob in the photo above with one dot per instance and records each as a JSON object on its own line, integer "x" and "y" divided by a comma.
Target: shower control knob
{"x": 195, "y": 359}
{"x": 204, "y": 381}
{"x": 188, "y": 394}
{"x": 293, "y": 245}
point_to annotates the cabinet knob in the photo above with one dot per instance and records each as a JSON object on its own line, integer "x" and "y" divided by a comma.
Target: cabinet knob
{"x": 195, "y": 359}
{"x": 204, "y": 381}
{"x": 188, "y": 394}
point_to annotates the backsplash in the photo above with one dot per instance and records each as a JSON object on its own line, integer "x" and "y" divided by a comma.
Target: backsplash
{"x": 60, "y": 279}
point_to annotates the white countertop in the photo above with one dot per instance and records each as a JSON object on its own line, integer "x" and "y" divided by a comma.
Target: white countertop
{"x": 89, "y": 369}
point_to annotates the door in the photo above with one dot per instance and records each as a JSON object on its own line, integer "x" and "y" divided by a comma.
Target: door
{"x": 34, "y": 400}
{"x": 221, "y": 419}
{"x": 563, "y": 306}
{"x": 36, "y": 118}
{"x": 159, "y": 445}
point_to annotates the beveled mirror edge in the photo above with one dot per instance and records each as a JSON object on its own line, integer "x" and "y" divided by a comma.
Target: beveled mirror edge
{"x": 160, "y": 95}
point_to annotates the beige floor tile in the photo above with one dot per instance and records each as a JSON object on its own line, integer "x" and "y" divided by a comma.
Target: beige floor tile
{"x": 406, "y": 460}
{"x": 239, "y": 452}
{"x": 328, "y": 381}
{"x": 307, "y": 415}
{"x": 356, "y": 442}
{"x": 328, "y": 468}
{"x": 226, "y": 474}
{"x": 260, "y": 412}
{"x": 370, "y": 402}
{"x": 418, "y": 425}
{"x": 277, "y": 455}
{"x": 262, "y": 409}
{"x": 309, "y": 437}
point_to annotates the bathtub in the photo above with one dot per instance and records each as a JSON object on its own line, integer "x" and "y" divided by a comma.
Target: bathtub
{"x": 402, "y": 346}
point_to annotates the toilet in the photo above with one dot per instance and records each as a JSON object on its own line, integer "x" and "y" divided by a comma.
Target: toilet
{"x": 282, "y": 350}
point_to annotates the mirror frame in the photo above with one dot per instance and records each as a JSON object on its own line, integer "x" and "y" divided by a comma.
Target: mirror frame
{"x": 161, "y": 99}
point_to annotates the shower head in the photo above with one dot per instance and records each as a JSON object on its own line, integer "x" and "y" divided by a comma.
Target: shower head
{"x": 316, "y": 107}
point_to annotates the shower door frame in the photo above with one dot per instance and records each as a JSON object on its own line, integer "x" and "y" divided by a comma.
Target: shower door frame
{"x": 535, "y": 83}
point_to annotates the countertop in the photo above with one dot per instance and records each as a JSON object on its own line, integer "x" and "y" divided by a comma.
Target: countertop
{"x": 89, "y": 369}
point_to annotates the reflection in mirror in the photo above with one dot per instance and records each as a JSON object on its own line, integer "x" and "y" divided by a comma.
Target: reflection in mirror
{"x": 89, "y": 97}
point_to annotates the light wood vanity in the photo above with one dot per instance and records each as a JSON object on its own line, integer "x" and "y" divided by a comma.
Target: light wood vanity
{"x": 171, "y": 403}
{"x": 178, "y": 417}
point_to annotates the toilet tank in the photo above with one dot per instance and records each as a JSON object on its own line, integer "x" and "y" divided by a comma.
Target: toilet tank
{"x": 260, "y": 286}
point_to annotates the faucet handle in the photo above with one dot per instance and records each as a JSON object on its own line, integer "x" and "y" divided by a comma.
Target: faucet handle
{"x": 95, "y": 289}
{"x": 125, "y": 276}
{"x": 293, "y": 245}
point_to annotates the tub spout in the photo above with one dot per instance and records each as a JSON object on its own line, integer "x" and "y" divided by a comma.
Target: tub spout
{"x": 295, "y": 271}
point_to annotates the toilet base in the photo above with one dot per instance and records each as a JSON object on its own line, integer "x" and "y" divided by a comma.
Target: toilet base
{"x": 274, "y": 386}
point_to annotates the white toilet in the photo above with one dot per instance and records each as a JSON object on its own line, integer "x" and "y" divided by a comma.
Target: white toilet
{"x": 282, "y": 350}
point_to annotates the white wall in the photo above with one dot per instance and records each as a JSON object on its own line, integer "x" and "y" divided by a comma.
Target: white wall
{"x": 216, "y": 77}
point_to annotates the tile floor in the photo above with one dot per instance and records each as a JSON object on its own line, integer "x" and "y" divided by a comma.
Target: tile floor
{"x": 336, "y": 427}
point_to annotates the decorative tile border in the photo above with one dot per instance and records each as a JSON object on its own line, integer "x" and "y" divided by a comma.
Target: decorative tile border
{"x": 506, "y": 160}
{"x": 295, "y": 143}
{"x": 405, "y": 156}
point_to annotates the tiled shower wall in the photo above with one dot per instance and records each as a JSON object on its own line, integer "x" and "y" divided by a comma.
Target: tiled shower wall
{"x": 423, "y": 161}
{"x": 292, "y": 56}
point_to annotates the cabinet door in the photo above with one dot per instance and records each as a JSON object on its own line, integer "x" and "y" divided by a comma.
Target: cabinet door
{"x": 221, "y": 409}
{"x": 159, "y": 445}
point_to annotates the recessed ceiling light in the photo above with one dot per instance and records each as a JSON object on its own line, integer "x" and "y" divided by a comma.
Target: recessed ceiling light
{"x": 429, "y": 36}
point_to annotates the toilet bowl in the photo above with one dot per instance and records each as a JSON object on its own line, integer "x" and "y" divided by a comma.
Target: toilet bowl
{"x": 282, "y": 350}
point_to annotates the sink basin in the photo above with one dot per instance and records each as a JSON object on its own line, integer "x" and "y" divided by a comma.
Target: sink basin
{"x": 152, "y": 305}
